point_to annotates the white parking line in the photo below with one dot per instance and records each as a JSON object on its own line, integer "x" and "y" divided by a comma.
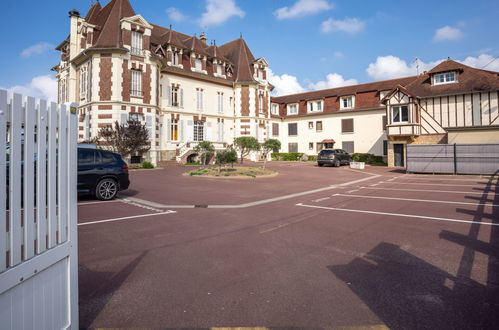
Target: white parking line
{"x": 99, "y": 202}
{"x": 436, "y": 184}
{"x": 320, "y": 199}
{"x": 125, "y": 218}
{"x": 436, "y": 191}
{"x": 418, "y": 200}
{"x": 401, "y": 215}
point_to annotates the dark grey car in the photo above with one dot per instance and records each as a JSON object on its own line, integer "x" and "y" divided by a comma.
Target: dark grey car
{"x": 335, "y": 157}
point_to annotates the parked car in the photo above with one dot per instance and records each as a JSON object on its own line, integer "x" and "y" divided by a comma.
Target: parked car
{"x": 101, "y": 173}
{"x": 335, "y": 157}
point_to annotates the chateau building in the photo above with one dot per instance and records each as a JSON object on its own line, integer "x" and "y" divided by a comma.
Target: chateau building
{"x": 118, "y": 66}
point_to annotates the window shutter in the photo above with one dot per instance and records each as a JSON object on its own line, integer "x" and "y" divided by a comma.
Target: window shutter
{"x": 190, "y": 131}
{"x": 201, "y": 100}
{"x": 347, "y": 125}
{"x": 168, "y": 95}
{"x": 149, "y": 126}
{"x": 181, "y": 97}
{"x": 348, "y": 146}
{"x": 87, "y": 127}
{"x": 257, "y": 131}
{"x": 168, "y": 129}
{"x": 208, "y": 131}
{"x": 384, "y": 123}
{"x": 181, "y": 130}
{"x": 124, "y": 119}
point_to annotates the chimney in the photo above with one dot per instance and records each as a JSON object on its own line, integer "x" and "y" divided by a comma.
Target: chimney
{"x": 203, "y": 38}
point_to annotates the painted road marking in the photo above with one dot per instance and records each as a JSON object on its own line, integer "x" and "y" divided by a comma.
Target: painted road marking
{"x": 401, "y": 215}
{"x": 320, "y": 199}
{"x": 437, "y": 191}
{"x": 99, "y": 202}
{"x": 147, "y": 207}
{"x": 436, "y": 184}
{"x": 126, "y": 218}
{"x": 419, "y": 200}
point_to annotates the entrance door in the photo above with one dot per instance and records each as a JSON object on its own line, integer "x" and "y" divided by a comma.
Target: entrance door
{"x": 398, "y": 151}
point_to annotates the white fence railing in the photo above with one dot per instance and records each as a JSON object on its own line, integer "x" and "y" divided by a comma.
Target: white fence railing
{"x": 38, "y": 200}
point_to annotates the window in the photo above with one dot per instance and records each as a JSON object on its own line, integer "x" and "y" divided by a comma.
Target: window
{"x": 136, "y": 89}
{"x": 260, "y": 103}
{"x": 293, "y": 109}
{"x": 310, "y": 146}
{"x": 83, "y": 82}
{"x": 197, "y": 64}
{"x": 347, "y": 125}
{"x": 175, "y": 58}
{"x": 220, "y": 98}
{"x": 175, "y": 96}
{"x": 198, "y": 130}
{"x": 292, "y": 147}
{"x": 310, "y": 125}
{"x": 218, "y": 69}
{"x": 400, "y": 114}
{"x": 136, "y": 43}
{"x": 134, "y": 116}
{"x": 274, "y": 109}
{"x": 444, "y": 78}
{"x": 86, "y": 156}
{"x": 315, "y": 106}
{"x": 62, "y": 92}
{"x": 292, "y": 129}
{"x": 199, "y": 99}
{"x": 384, "y": 123}
{"x": 385, "y": 147}
{"x": 348, "y": 146}
{"x": 260, "y": 74}
{"x": 275, "y": 129}
{"x": 174, "y": 130}
{"x": 107, "y": 157}
{"x": 229, "y": 72}
{"x": 347, "y": 102}
{"x": 318, "y": 126}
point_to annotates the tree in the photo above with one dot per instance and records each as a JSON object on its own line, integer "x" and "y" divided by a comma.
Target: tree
{"x": 227, "y": 156}
{"x": 268, "y": 146}
{"x": 205, "y": 151}
{"x": 246, "y": 144}
{"x": 125, "y": 139}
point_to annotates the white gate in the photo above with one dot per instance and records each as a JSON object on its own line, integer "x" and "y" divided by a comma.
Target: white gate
{"x": 38, "y": 214}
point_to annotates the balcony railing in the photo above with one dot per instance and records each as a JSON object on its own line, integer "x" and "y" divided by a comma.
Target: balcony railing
{"x": 137, "y": 51}
{"x": 134, "y": 92}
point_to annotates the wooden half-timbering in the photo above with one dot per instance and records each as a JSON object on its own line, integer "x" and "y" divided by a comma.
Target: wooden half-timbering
{"x": 410, "y": 127}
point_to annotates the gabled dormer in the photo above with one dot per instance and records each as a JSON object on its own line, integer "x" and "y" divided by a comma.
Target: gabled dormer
{"x": 174, "y": 48}
{"x": 136, "y": 33}
{"x": 260, "y": 69}
{"x": 198, "y": 54}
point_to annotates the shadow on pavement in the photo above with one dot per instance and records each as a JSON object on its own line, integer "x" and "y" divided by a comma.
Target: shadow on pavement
{"x": 97, "y": 288}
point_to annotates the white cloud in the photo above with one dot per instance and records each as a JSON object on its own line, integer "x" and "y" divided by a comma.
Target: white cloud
{"x": 284, "y": 84}
{"x": 44, "y": 87}
{"x": 302, "y": 8}
{"x": 349, "y": 25}
{"x": 481, "y": 61}
{"x": 447, "y": 33}
{"x": 333, "y": 80}
{"x": 37, "y": 49}
{"x": 338, "y": 54}
{"x": 218, "y": 11}
{"x": 175, "y": 14}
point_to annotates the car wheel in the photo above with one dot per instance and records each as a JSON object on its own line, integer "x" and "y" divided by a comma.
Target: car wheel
{"x": 337, "y": 163}
{"x": 106, "y": 189}
{"x": 320, "y": 165}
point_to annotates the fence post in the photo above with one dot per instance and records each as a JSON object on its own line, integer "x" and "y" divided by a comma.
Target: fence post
{"x": 455, "y": 160}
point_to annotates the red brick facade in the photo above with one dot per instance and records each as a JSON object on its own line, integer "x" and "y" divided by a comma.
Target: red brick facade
{"x": 105, "y": 75}
{"x": 125, "y": 82}
{"x": 245, "y": 96}
{"x": 146, "y": 84}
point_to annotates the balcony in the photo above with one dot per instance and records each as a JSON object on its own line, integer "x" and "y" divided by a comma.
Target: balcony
{"x": 403, "y": 129}
{"x": 137, "y": 51}
{"x": 137, "y": 93}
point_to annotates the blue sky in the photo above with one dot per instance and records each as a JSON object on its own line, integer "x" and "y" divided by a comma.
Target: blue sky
{"x": 309, "y": 44}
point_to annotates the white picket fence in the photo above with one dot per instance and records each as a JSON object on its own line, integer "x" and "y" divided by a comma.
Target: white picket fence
{"x": 38, "y": 214}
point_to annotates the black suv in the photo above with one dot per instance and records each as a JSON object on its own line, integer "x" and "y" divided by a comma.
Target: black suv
{"x": 101, "y": 173}
{"x": 334, "y": 157}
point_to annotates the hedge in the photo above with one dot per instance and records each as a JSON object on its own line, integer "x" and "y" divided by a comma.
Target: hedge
{"x": 368, "y": 159}
{"x": 286, "y": 156}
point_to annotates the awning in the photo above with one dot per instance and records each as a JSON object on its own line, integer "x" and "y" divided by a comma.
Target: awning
{"x": 328, "y": 141}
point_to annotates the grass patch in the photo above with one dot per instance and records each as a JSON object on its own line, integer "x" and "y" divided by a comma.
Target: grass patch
{"x": 228, "y": 172}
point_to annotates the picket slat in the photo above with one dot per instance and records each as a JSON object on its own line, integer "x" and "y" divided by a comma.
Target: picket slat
{"x": 29, "y": 177}
{"x": 62, "y": 176}
{"x": 3, "y": 173}
{"x": 15, "y": 174}
{"x": 52, "y": 176}
{"x": 41, "y": 179}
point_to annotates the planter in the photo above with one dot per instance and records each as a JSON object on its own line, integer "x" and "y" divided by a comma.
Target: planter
{"x": 357, "y": 165}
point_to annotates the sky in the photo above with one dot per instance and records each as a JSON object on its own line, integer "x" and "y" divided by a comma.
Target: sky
{"x": 309, "y": 44}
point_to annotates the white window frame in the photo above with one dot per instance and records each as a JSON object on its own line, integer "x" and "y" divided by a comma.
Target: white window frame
{"x": 199, "y": 99}
{"x": 198, "y": 64}
{"x": 174, "y": 127}
{"x": 175, "y": 96}
{"x": 136, "y": 83}
{"x": 274, "y": 109}
{"x": 175, "y": 56}
{"x": 445, "y": 78}
{"x": 220, "y": 98}
{"x": 350, "y": 100}
{"x": 290, "y": 106}
{"x": 136, "y": 45}
{"x": 198, "y": 130}
{"x": 315, "y": 106}
{"x": 399, "y": 110}
{"x": 83, "y": 82}
{"x": 260, "y": 103}
{"x": 260, "y": 74}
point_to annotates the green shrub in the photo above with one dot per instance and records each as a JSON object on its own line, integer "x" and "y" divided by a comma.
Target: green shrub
{"x": 368, "y": 159}
{"x": 193, "y": 163}
{"x": 312, "y": 158}
{"x": 287, "y": 156}
{"x": 147, "y": 165}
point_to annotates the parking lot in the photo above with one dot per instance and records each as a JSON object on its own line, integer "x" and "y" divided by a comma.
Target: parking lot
{"x": 314, "y": 247}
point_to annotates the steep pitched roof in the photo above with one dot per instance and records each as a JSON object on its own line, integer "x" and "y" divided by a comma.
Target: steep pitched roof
{"x": 108, "y": 19}
{"x": 384, "y": 85}
{"x": 93, "y": 11}
{"x": 196, "y": 45}
{"x": 172, "y": 38}
{"x": 238, "y": 52}
{"x": 214, "y": 52}
{"x": 468, "y": 80}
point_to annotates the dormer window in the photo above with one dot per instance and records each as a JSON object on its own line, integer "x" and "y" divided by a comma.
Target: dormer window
{"x": 198, "y": 65}
{"x": 400, "y": 114}
{"x": 136, "y": 43}
{"x": 315, "y": 106}
{"x": 218, "y": 69}
{"x": 347, "y": 102}
{"x": 293, "y": 109}
{"x": 260, "y": 74}
{"x": 274, "y": 109}
{"x": 444, "y": 78}
{"x": 229, "y": 72}
{"x": 175, "y": 60}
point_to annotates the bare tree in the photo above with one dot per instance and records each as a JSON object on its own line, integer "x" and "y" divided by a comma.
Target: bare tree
{"x": 125, "y": 139}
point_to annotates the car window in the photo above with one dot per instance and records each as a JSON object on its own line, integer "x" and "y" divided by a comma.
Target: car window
{"x": 326, "y": 152}
{"x": 107, "y": 158}
{"x": 86, "y": 157}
